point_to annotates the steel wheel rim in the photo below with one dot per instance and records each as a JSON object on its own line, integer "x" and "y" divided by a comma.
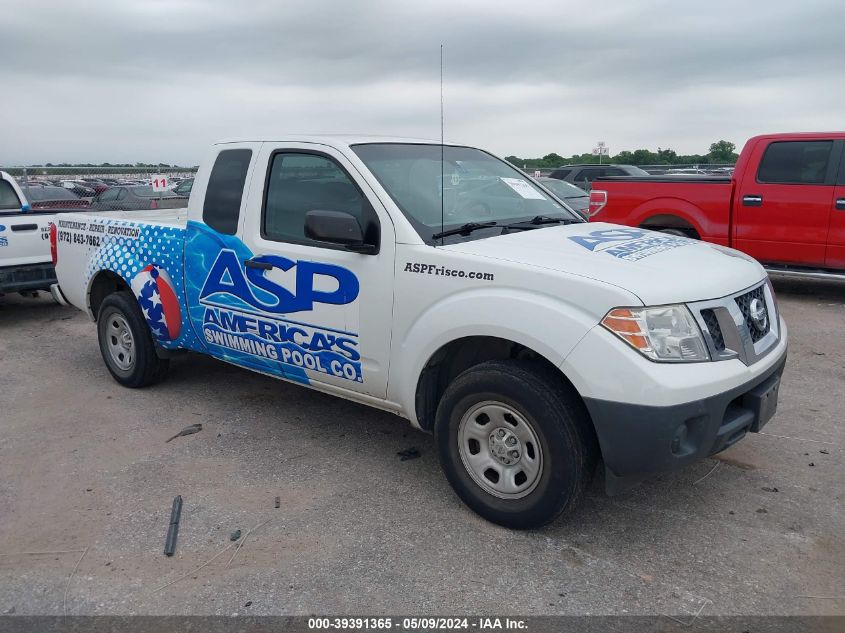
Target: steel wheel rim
{"x": 500, "y": 450}
{"x": 120, "y": 342}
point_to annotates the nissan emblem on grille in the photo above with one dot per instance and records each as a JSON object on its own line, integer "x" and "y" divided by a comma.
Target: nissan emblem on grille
{"x": 757, "y": 312}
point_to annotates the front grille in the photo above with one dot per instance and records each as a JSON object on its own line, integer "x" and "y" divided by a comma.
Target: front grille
{"x": 757, "y": 329}
{"x": 713, "y": 327}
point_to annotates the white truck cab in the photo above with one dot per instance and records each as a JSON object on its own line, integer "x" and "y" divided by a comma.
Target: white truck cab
{"x": 442, "y": 284}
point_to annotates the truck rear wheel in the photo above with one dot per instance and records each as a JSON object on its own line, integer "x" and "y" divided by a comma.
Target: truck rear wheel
{"x": 516, "y": 446}
{"x": 126, "y": 343}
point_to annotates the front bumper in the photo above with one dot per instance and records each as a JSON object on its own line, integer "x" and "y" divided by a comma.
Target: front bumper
{"x": 27, "y": 277}
{"x": 641, "y": 440}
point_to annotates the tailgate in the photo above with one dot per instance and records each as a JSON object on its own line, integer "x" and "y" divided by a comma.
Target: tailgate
{"x": 25, "y": 238}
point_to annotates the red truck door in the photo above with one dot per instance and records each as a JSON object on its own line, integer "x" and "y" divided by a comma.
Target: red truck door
{"x": 782, "y": 208}
{"x": 836, "y": 235}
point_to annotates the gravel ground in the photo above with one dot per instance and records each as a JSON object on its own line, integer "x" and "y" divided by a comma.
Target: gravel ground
{"x": 84, "y": 466}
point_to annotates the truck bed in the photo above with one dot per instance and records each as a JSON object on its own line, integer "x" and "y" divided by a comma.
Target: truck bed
{"x": 698, "y": 203}
{"x": 140, "y": 247}
{"x": 175, "y": 218}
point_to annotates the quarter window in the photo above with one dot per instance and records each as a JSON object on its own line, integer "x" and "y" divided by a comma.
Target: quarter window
{"x": 8, "y": 197}
{"x": 225, "y": 190}
{"x": 299, "y": 183}
{"x": 795, "y": 162}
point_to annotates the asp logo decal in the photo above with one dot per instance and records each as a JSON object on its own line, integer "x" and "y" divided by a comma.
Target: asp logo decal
{"x": 243, "y": 313}
{"x": 259, "y": 293}
{"x": 629, "y": 244}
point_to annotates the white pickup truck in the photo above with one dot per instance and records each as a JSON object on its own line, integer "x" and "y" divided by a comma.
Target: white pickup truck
{"x": 25, "y": 258}
{"x": 24, "y": 242}
{"x": 442, "y": 284}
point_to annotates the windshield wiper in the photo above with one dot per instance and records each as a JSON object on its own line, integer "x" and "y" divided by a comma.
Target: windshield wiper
{"x": 536, "y": 222}
{"x": 464, "y": 229}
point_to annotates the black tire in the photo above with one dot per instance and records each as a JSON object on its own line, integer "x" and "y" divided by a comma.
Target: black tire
{"x": 145, "y": 367}
{"x": 558, "y": 419}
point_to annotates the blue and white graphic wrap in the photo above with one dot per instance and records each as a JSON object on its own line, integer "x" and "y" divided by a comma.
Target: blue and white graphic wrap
{"x": 245, "y": 317}
{"x": 149, "y": 259}
{"x": 629, "y": 244}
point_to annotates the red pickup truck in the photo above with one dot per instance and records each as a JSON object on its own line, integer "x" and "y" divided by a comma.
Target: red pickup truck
{"x": 784, "y": 204}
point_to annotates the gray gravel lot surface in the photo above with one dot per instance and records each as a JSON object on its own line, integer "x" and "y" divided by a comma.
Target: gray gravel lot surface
{"x": 84, "y": 464}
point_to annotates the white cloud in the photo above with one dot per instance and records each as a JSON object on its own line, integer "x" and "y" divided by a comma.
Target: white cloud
{"x": 157, "y": 81}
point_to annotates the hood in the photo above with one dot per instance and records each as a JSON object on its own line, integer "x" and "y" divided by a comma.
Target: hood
{"x": 657, "y": 267}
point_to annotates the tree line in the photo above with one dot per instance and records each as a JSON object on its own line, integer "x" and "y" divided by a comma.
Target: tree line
{"x": 720, "y": 152}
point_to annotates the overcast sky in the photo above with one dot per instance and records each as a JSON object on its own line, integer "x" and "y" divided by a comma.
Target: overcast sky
{"x": 158, "y": 80}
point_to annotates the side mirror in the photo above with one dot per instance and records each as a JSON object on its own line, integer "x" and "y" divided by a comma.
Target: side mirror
{"x": 338, "y": 227}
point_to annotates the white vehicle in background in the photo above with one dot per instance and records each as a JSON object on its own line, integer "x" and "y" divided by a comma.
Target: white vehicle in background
{"x": 443, "y": 285}
{"x": 26, "y": 264}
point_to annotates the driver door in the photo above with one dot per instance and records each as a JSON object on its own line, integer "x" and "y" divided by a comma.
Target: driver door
{"x": 328, "y": 308}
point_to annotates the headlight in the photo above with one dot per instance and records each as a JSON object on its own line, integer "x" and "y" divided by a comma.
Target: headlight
{"x": 665, "y": 333}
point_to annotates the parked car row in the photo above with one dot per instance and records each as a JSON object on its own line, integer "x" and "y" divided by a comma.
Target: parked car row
{"x": 28, "y": 210}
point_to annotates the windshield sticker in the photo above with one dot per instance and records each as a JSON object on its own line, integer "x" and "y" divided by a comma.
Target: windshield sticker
{"x": 630, "y": 244}
{"x": 523, "y": 188}
{"x": 456, "y": 179}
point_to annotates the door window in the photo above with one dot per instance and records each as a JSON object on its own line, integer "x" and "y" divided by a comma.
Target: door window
{"x": 109, "y": 195}
{"x": 302, "y": 182}
{"x": 795, "y": 162}
{"x": 590, "y": 174}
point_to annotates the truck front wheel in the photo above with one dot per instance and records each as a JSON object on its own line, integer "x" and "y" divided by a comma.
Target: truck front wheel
{"x": 515, "y": 445}
{"x": 126, "y": 343}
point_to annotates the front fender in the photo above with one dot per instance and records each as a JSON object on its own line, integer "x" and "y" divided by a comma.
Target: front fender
{"x": 548, "y": 325}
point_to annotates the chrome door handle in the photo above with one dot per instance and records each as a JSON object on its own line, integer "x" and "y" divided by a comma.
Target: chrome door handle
{"x": 752, "y": 201}
{"x": 840, "y": 204}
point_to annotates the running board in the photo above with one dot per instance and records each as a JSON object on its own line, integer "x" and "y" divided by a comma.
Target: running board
{"x": 806, "y": 274}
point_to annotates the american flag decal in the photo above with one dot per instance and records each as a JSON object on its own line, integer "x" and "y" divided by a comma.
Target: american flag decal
{"x": 154, "y": 290}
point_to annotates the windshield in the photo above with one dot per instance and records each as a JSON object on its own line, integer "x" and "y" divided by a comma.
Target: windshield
{"x": 476, "y": 187}
{"x": 562, "y": 188}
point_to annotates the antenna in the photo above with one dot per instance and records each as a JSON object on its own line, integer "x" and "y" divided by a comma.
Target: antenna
{"x": 442, "y": 178}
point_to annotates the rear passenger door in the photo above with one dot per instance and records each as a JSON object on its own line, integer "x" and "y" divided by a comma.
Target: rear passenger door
{"x": 782, "y": 209}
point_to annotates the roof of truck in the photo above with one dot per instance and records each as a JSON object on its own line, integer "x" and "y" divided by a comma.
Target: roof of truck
{"x": 332, "y": 139}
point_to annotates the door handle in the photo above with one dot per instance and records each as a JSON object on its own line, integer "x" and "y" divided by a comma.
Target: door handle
{"x": 840, "y": 204}
{"x": 251, "y": 263}
{"x": 752, "y": 201}
{"x": 24, "y": 227}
